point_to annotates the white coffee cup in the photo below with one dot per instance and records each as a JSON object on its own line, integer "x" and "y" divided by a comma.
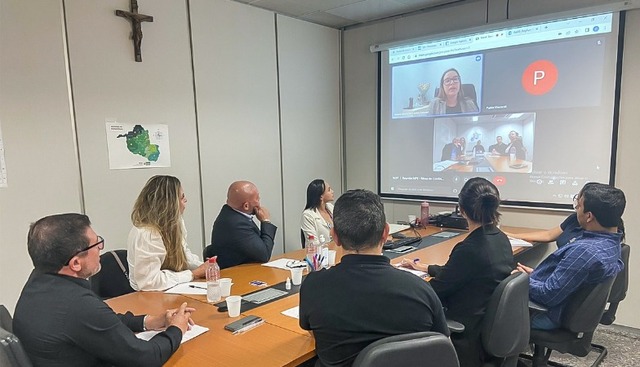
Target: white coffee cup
{"x": 296, "y": 275}
{"x": 233, "y": 305}
{"x": 412, "y": 219}
{"x": 332, "y": 257}
{"x": 225, "y": 286}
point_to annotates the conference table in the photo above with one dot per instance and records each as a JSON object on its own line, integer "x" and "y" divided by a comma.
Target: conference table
{"x": 488, "y": 162}
{"x": 279, "y": 341}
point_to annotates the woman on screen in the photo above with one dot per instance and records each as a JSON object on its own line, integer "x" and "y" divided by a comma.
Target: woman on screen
{"x": 475, "y": 268}
{"x": 317, "y": 217}
{"x": 515, "y": 142}
{"x": 450, "y": 98}
{"x": 157, "y": 254}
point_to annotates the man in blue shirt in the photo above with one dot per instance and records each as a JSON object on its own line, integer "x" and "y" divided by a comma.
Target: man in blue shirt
{"x": 587, "y": 259}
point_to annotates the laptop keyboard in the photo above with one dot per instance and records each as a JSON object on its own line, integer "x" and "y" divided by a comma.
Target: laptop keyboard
{"x": 264, "y": 295}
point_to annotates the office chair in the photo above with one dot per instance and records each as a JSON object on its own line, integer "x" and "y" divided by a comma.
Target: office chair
{"x": 11, "y": 352}
{"x": 468, "y": 90}
{"x": 113, "y": 278}
{"x": 505, "y": 327}
{"x": 618, "y": 293}
{"x": 427, "y": 349}
{"x": 6, "y": 321}
{"x": 579, "y": 320}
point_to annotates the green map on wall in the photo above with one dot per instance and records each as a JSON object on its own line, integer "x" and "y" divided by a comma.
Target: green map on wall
{"x": 138, "y": 143}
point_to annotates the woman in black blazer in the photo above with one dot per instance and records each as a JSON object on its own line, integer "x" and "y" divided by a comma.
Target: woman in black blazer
{"x": 475, "y": 268}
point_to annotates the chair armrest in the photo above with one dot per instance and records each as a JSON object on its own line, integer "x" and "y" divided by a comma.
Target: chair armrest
{"x": 537, "y": 307}
{"x": 455, "y": 327}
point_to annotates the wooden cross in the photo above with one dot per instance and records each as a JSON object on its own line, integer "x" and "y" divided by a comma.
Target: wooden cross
{"x": 136, "y": 24}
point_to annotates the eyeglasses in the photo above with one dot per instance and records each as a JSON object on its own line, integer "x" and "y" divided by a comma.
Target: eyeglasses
{"x": 575, "y": 201}
{"x": 100, "y": 245}
{"x": 449, "y": 81}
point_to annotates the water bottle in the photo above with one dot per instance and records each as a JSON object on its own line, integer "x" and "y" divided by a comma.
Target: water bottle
{"x": 214, "y": 293}
{"x": 424, "y": 213}
{"x": 312, "y": 251}
{"x": 324, "y": 251}
{"x": 512, "y": 154}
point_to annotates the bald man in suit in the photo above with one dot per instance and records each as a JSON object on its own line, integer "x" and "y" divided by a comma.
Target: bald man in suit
{"x": 235, "y": 238}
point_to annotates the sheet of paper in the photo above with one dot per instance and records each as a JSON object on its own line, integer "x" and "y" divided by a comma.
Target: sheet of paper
{"x": 418, "y": 273}
{"x": 189, "y": 288}
{"x": 292, "y": 312}
{"x": 190, "y": 334}
{"x": 395, "y": 228}
{"x": 282, "y": 263}
{"x": 516, "y": 242}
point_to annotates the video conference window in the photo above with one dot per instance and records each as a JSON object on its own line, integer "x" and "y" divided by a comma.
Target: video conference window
{"x": 529, "y": 107}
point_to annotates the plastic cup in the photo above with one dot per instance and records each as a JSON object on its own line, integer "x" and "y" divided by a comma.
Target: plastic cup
{"x": 412, "y": 219}
{"x": 296, "y": 276}
{"x": 233, "y": 305}
{"x": 225, "y": 286}
{"x": 332, "y": 257}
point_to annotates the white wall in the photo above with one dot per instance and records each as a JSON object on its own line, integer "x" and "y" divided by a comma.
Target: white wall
{"x": 38, "y": 134}
{"x": 359, "y": 89}
{"x": 225, "y": 126}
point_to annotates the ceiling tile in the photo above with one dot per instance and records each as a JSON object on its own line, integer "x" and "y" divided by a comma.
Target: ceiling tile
{"x": 369, "y": 10}
{"x": 326, "y": 19}
{"x": 287, "y": 7}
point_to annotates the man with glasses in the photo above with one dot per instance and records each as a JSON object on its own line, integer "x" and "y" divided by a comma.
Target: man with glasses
{"x": 589, "y": 258}
{"x": 61, "y": 322}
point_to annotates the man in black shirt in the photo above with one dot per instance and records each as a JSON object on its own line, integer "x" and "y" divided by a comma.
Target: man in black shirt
{"x": 364, "y": 298}
{"x": 61, "y": 322}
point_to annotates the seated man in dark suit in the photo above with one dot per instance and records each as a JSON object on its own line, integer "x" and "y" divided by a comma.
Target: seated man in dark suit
{"x": 235, "y": 238}
{"x": 590, "y": 258}
{"x": 61, "y": 322}
{"x": 499, "y": 147}
{"x": 364, "y": 298}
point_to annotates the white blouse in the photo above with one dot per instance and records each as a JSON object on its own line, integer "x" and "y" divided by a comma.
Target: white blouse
{"x": 145, "y": 255}
{"x": 313, "y": 223}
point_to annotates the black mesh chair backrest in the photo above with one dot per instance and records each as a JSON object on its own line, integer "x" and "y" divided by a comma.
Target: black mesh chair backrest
{"x": 112, "y": 281}
{"x": 619, "y": 288}
{"x": 6, "y": 322}
{"x": 621, "y": 284}
{"x": 505, "y": 328}
{"x": 426, "y": 349}
{"x": 11, "y": 352}
{"x": 584, "y": 309}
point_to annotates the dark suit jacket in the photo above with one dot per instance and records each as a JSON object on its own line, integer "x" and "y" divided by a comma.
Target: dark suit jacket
{"x": 448, "y": 150}
{"x": 236, "y": 239}
{"x": 466, "y": 282}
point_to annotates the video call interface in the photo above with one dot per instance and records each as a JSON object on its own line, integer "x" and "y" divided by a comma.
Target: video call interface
{"x": 529, "y": 107}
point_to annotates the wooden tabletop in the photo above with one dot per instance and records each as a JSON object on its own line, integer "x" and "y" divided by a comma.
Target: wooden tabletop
{"x": 279, "y": 341}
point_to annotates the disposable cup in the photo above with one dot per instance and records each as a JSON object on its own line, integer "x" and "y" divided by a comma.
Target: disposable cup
{"x": 296, "y": 275}
{"x": 233, "y": 305}
{"x": 225, "y": 286}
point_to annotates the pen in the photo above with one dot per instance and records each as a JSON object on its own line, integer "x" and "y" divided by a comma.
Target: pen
{"x": 309, "y": 262}
{"x": 195, "y": 286}
{"x": 416, "y": 260}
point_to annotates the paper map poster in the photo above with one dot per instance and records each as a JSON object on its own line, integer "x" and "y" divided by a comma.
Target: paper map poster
{"x": 137, "y": 145}
{"x": 3, "y": 166}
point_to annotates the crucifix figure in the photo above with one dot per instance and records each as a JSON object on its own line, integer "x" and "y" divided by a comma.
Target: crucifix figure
{"x": 136, "y": 24}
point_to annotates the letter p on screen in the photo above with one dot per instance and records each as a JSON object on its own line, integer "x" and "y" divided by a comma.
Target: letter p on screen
{"x": 539, "y": 77}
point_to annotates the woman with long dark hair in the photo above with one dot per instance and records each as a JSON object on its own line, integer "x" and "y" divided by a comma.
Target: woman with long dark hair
{"x": 451, "y": 98}
{"x": 475, "y": 268}
{"x": 317, "y": 217}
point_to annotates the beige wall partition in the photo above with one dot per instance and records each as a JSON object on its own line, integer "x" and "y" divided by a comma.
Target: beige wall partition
{"x": 222, "y": 107}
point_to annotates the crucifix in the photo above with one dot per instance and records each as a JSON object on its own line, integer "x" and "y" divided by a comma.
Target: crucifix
{"x": 136, "y": 24}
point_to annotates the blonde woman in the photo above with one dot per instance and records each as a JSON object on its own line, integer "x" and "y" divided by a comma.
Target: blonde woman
{"x": 158, "y": 255}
